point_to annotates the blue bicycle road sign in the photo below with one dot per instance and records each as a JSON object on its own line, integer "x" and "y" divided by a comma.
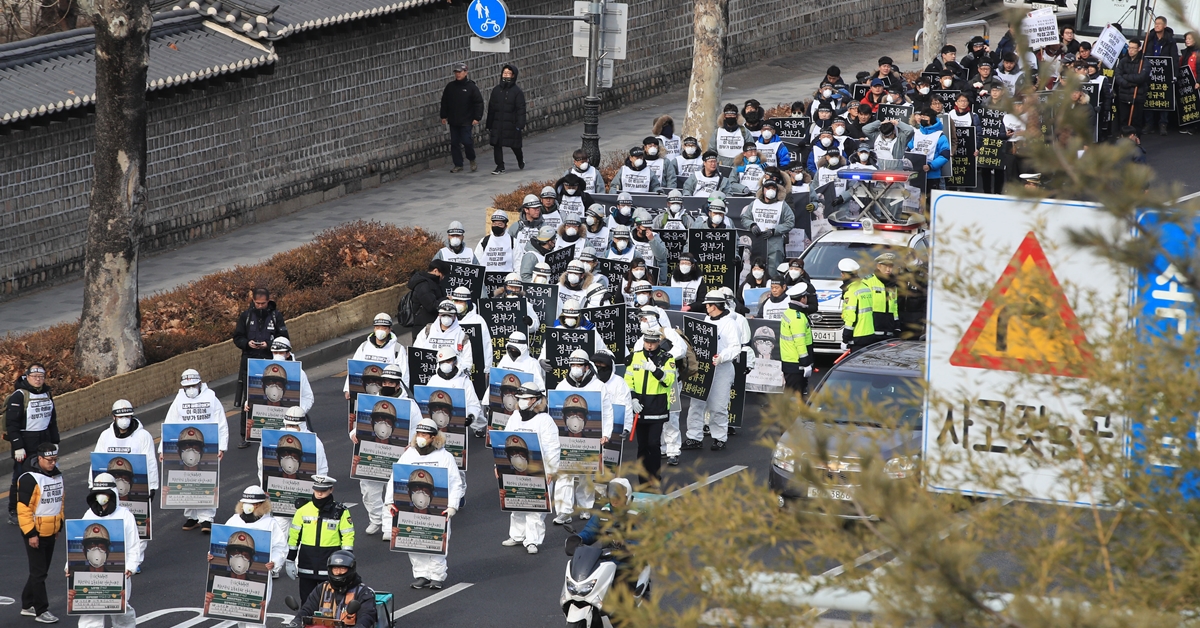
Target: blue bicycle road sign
{"x": 487, "y": 18}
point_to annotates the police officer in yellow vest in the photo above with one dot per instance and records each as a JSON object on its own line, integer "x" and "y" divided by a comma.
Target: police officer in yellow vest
{"x": 857, "y": 308}
{"x": 331, "y": 599}
{"x": 320, "y": 527}
{"x": 650, "y": 377}
{"x": 884, "y": 302}
{"x": 795, "y": 338}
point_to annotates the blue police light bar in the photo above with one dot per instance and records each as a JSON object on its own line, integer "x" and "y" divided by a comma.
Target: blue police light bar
{"x": 844, "y": 224}
{"x": 883, "y": 176}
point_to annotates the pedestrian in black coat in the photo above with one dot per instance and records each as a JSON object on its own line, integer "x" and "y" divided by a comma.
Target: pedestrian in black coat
{"x": 506, "y": 117}
{"x": 428, "y": 292}
{"x": 1132, "y": 77}
{"x": 255, "y": 330}
{"x": 462, "y": 108}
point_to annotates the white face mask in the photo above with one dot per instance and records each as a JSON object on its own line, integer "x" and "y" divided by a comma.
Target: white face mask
{"x": 123, "y": 423}
{"x": 652, "y": 151}
{"x": 273, "y": 393}
{"x": 373, "y": 388}
{"x": 794, "y": 274}
{"x": 717, "y": 218}
{"x": 102, "y": 499}
{"x": 382, "y": 334}
{"x": 96, "y": 557}
{"x": 191, "y": 392}
{"x": 239, "y": 564}
{"x": 420, "y": 499}
{"x": 582, "y": 167}
{"x": 637, "y": 163}
{"x": 123, "y": 487}
{"x": 573, "y": 278}
{"x": 625, "y": 210}
{"x": 674, "y": 208}
{"x": 279, "y": 357}
{"x": 441, "y": 417}
{"x": 833, "y": 162}
{"x": 570, "y": 190}
{"x": 541, "y": 279}
{"x": 643, "y": 298}
{"x": 446, "y": 367}
{"x": 757, "y": 272}
{"x": 189, "y": 457}
{"x": 923, "y": 90}
{"x": 638, "y": 273}
{"x": 827, "y": 93}
{"x": 577, "y": 372}
{"x": 591, "y": 220}
{"x": 769, "y": 194}
{"x": 766, "y": 135}
{"x": 839, "y": 131}
{"x": 891, "y": 98}
{"x": 248, "y": 509}
{"x": 947, "y": 81}
{"x": 570, "y": 321}
{"x": 509, "y": 402}
{"x": 525, "y": 403}
{"x": 422, "y": 441}
{"x": 289, "y": 464}
{"x": 571, "y": 231}
{"x": 447, "y": 320}
{"x": 826, "y": 141}
{"x": 575, "y": 424}
{"x": 519, "y": 462}
{"x": 455, "y": 241}
{"x": 621, "y": 243}
{"x": 383, "y": 429}
{"x": 461, "y": 306}
{"x": 685, "y": 268}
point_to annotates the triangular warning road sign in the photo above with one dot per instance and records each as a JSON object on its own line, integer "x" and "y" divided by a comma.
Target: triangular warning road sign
{"x": 1025, "y": 324}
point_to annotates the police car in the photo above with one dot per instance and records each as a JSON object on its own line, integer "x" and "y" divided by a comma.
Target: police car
{"x": 861, "y": 241}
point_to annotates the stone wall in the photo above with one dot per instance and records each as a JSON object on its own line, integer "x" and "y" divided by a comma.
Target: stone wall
{"x": 356, "y": 106}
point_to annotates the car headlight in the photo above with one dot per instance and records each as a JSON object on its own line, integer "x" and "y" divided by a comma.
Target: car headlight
{"x": 900, "y": 467}
{"x": 583, "y": 588}
{"x": 784, "y": 458}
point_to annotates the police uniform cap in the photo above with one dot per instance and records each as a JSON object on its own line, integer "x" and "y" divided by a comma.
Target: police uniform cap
{"x": 847, "y": 265}
{"x": 797, "y": 290}
{"x": 886, "y": 258}
{"x": 652, "y": 336}
{"x": 323, "y": 482}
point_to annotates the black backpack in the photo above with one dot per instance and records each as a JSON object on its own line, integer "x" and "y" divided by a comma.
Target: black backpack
{"x": 406, "y": 312}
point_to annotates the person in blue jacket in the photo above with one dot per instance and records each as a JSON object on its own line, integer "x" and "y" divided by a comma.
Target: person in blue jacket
{"x": 930, "y": 140}
{"x": 771, "y": 149}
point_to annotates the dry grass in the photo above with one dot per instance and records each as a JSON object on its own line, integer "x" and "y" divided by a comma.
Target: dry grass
{"x": 338, "y": 265}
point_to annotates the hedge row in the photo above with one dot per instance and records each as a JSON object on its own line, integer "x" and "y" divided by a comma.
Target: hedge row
{"x": 338, "y": 265}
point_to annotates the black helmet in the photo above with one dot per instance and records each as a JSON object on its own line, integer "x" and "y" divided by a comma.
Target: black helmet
{"x": 341, "y": 558}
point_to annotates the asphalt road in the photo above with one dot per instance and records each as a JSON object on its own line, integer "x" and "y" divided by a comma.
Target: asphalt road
{"x": 486, "y": 580}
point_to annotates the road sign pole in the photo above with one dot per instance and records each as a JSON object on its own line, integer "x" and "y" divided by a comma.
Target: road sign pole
{"x": 591, "y": 103}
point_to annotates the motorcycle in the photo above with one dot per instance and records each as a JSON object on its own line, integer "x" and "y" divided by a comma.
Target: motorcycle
{"x": 319, "y": 621}
{"x": 590, "y": 574}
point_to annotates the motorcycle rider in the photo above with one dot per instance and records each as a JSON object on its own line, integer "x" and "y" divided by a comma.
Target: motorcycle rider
{"x": 342, "y": 586}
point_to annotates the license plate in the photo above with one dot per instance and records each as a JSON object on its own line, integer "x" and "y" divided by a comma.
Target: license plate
{"x": 814, "y": 492}
{"x": 826, "y": 335}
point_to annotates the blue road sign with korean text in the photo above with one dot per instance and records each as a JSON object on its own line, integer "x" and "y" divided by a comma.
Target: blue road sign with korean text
{"x": 487, "y": 18}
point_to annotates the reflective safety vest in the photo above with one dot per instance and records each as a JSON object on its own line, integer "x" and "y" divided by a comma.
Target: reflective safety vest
{"x": 884, "y": 302}
{"x": 42, "y": 511}
{"x": 333, "y": 605}
{"x": 857, "y": 310}
{"x": 795, "y": 336}
{"x": 310, "y": 529}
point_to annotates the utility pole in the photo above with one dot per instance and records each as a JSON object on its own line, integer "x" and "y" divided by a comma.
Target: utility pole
{"x": 110, "y": 338}
{"x": 591, "y": 102}
{"x": 934, "y": 36}
{"x": 709, "y": 22}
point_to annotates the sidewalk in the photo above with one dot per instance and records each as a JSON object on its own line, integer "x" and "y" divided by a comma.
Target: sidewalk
{"x": 433, "y": 198}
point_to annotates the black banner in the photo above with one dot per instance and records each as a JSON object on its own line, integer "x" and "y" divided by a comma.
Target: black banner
{"x": 475, "y": 336}
{"x": 947, "y": 97}
{"x": 560, "y": 342}
{"x": 966, "y": 172}
{"x": 737, "y": 396}
{"x": 703, "y": 337}
{"x": 933, "y": 78}
{"x": 655, "y": 204}
{"x": 994, "y": 135}
{"x": 716, "y": 253}
{"x": 902, "y": 113}
{"x": 558, "y": 260}
{"x": 422, "y": 364}
{"x": 1160, "y": 94}
{"x": 1189, "y": 109}
{"x": 614, "y": 270}
{"x": 633, "y": 331}
{"x": 503, "y": 316}
{"x": 544, "y": 299}
{"x": 676, "y": 241}
{"x": 468, "y": 275}
{"x": 1093, "y": 92}
{"x": 493, "y": 280}
{"x": 610, "y": 324}
{"x": 794, "y": 128}
{"x": 858, "y": 91}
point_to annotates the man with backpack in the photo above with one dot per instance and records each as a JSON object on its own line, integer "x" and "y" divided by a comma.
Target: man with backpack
{"x": 419, "y": 307}
{"x": 29, "y": 420}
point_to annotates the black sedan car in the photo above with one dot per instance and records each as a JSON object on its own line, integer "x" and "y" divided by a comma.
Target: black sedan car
{"x": 887, "y": 376}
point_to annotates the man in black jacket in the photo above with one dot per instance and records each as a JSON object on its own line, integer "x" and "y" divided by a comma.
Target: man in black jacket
{"x": 1160, "y": 42}
{"x": 428, "y": 292}
{"x": 462, "y": 108}
{"x": 255, "y": 330}
{"x": 1132, "y": 78}
{"x": 29, "y": 420}
{"x": 506, "y": 117}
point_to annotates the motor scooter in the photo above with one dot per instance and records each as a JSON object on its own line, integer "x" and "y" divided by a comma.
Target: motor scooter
{"x": 590, "y": 574}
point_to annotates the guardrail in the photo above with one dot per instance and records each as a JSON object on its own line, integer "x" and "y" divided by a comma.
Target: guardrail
{"x": 951, "y": 27}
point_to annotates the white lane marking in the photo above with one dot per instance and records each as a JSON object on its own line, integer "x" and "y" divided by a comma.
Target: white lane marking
{"x": 443, "y": 594}
{"x": 5, "y": 601}
{"x": 199, "y": 617}
{"x": 709, "y": 480}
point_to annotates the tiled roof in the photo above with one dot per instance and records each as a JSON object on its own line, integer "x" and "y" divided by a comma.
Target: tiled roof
{"x": 276, "y": 21}
{"x": 56, "y": 73}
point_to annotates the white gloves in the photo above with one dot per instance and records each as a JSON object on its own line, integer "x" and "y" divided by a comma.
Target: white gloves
{"x": 806, "y": 372}
{"x": 642, "y": 366}
{"x": 450, "y": 512}
{"x": 19, "y": 455}
{"x": 845, "y": 347}
{"x": 637, "y": 406}
{"x": 290, "y": 569}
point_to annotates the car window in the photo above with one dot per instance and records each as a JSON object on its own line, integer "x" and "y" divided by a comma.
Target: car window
{"x": 900, "y": 396}
{"x": 821, "y": 259}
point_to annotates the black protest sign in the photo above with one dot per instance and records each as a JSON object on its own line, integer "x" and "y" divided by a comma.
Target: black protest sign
{"x": 560, "y": 342}
{"x": 1093, "y": 92}
{"x": 994, "y": 135}
{"x": 610, "y": 324}
{"x": 933, "y": 78}
{"x": 503, "y": 316}
{"x": 1189, "y": 108}
{"x": 858, "y": 91}
{"x": 676, "y": 241}
{"x": 1047, "y": 120}
{"x": 468, "y": 275}
{"x": 737, "y": 396}
{"x": 543, "y": 297}
{"x": 422, "y": 364}
{"x": 947, "y": 97}
{"x": 716, "y": 253}
{"x": 475, "y": 336}
{"x": 902, "y": 113}
{"x": 1160, "y": 93}
{"x": 796, "y": 127}
{"x": 614, "y": 270}
{"x": 493, "y": 280}
{"x": 558, "y": 260}
{"x": 655, "y": 204}
{"x": 633, "y": 329}
{"x": 966, "y": 172}
{"x": 703, "y": 337}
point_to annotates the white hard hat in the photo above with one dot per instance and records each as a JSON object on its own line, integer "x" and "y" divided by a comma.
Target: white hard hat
{"x": 675, "y": 195}
{"x": 578, "y": 356}
{"x": 641, "y": 285}
{"x": 446, "y": 353}
{"x": 294, "y": 414}
{"x": 393, "y": 372}
{"x": 531, "y": 201}
{"x": 570, "y": 307}
{"x": 281, "y": 344}
{"x": 714, "y": 297}
{"x": 190, "y": 377}
{"x": 461, "y": 293}
{"x": 847, "y": 265}
{"x": 625, "y": 197}
{"x": 548, "y": 192}
{"x": 122, "y": 407}
{"x": 499, "y": 215}
{"x": 456, "y": 228}
{"x": 382, "y": 318}
{"x": 104, "y": 480}
{"x": 253, "y": 494}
